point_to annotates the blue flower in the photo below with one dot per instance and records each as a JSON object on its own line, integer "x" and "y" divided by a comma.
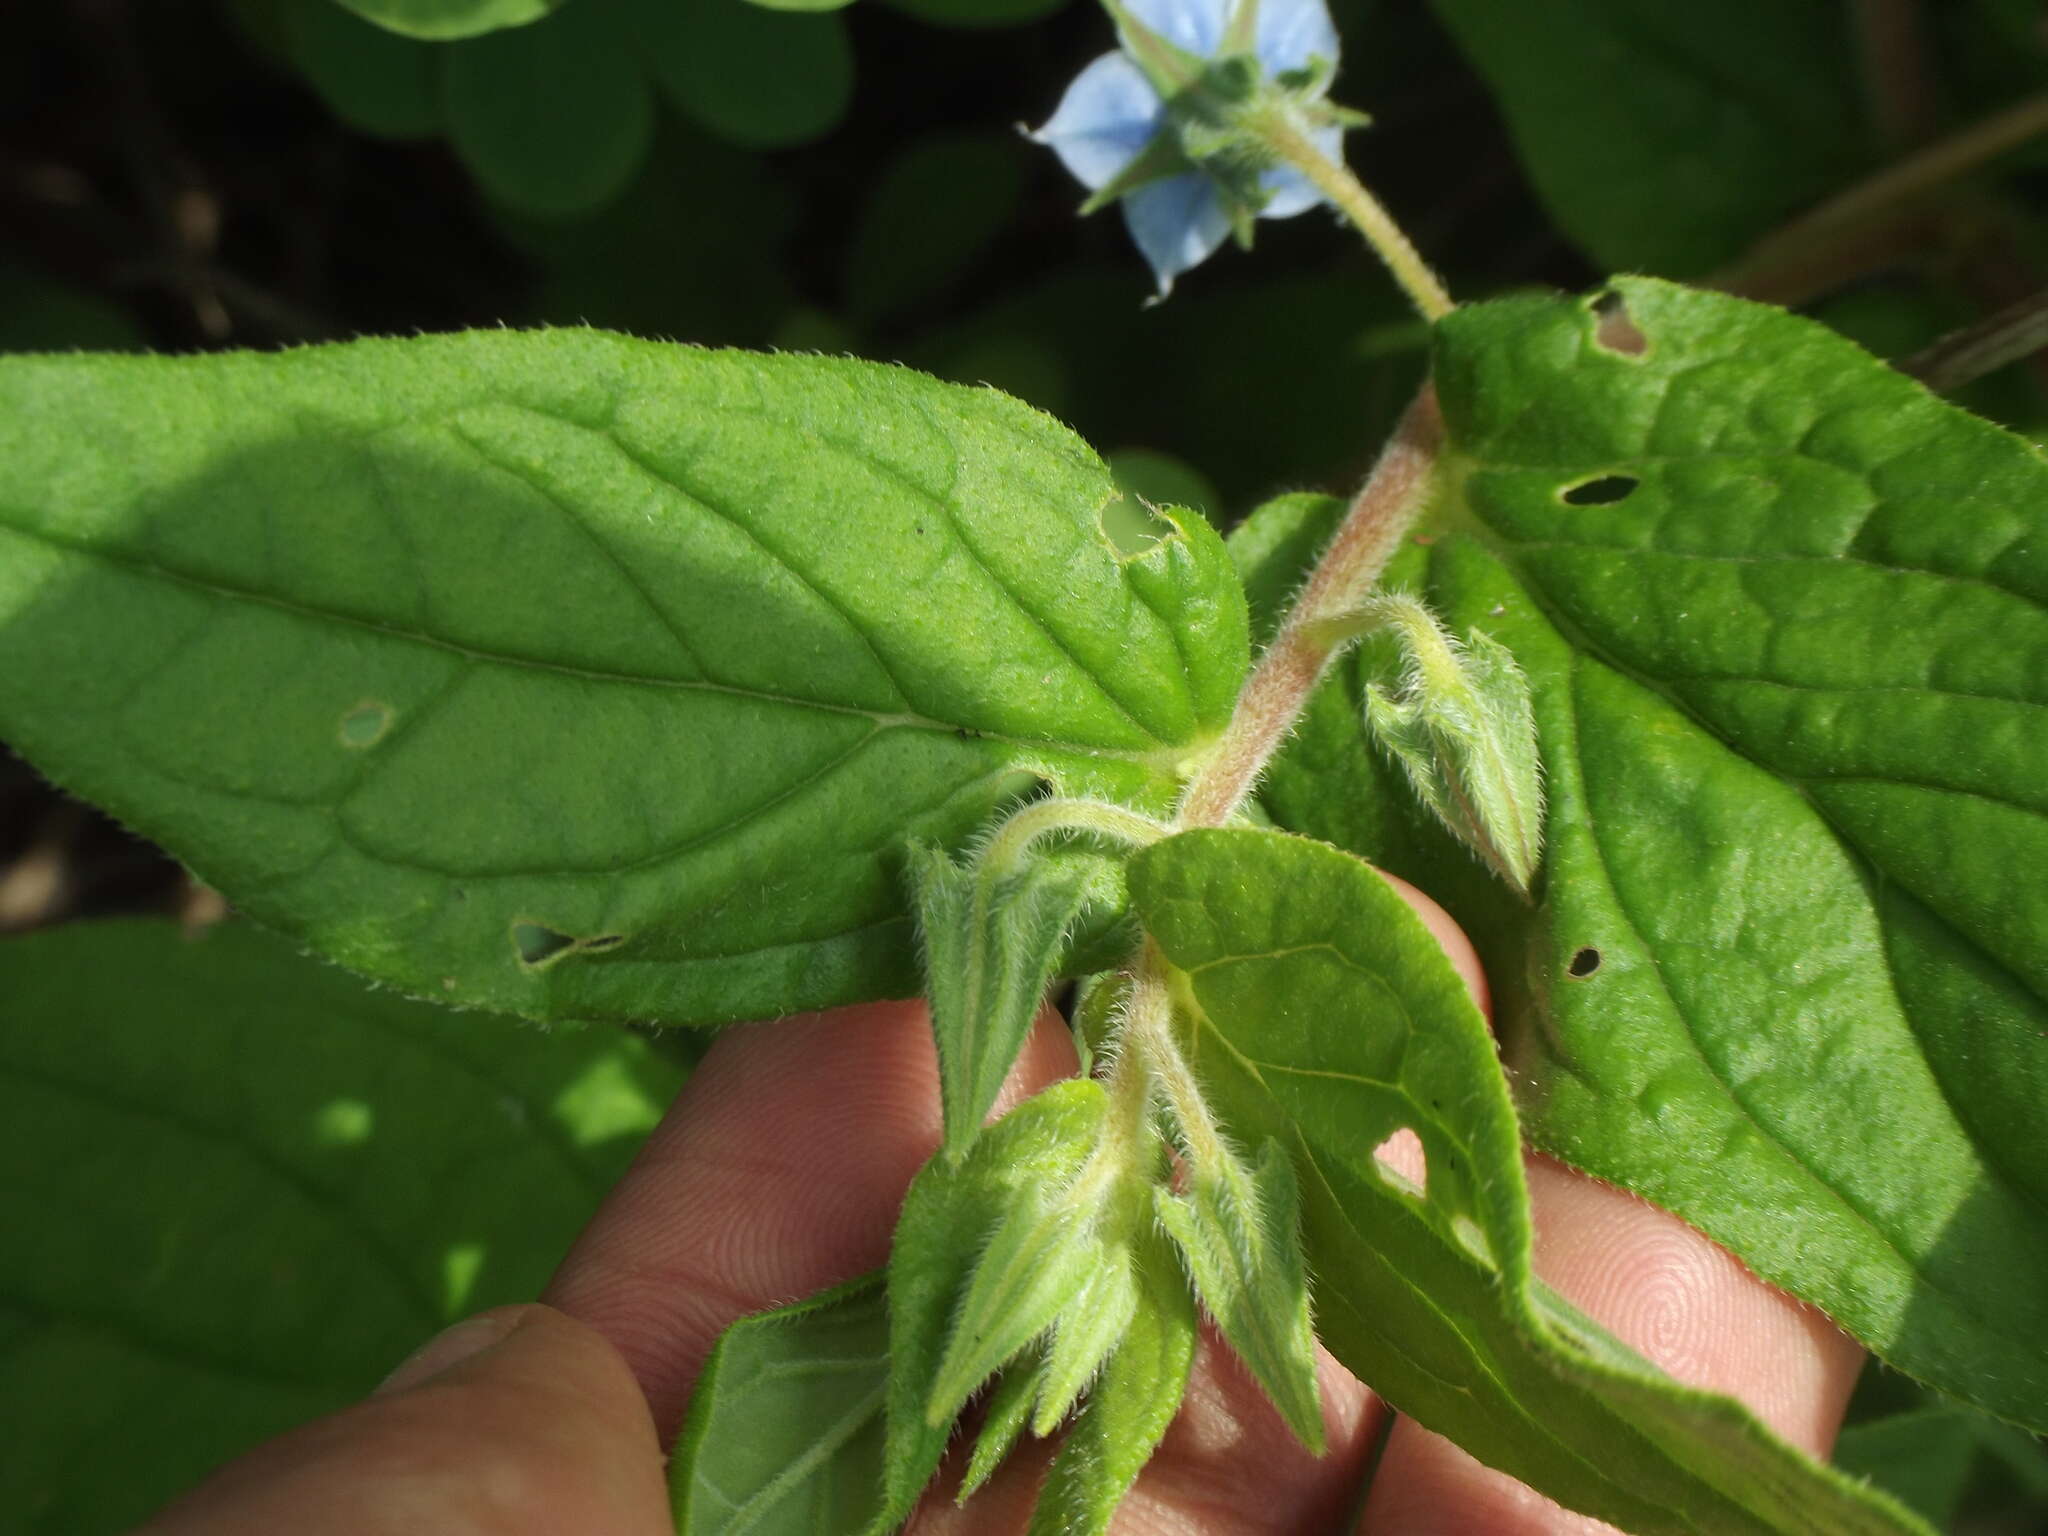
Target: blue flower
{"x": 1113, "y": 113}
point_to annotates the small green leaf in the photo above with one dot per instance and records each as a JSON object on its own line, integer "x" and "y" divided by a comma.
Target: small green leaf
{"x": 991, "y": 942}
{"x": 784, "y": 1436}
{"x": 1003, "y": 1419}
{"x": 673, "y": 649}
{"x": 949, "y": 1216}
{"x": 554, "y": 119}
{"x": 373, "y": 80}
{"x": 1239, "y": 1230}
{"x": 1131, "y": 1403}
{"x": 1461, "y": 727}
{"x": 440, "y": 20}
{"x": 240, "y": 1186}
{"x": 764, "y": 79}
{"x": 1666, "y": 137}
{"x": 1318, "y": 1011}
{"x": 1037, "y": 1261}
{"x": 1086, "y": 1332}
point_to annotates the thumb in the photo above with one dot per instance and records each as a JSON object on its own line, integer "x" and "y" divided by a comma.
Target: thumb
{"x": 519, "y": 1420}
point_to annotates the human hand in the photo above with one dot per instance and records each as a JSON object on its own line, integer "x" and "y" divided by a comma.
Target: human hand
{"x": 779, "y": 1172}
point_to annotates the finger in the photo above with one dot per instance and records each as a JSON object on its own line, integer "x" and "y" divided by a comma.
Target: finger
{"x": 1676, "y": 1297}
{"x": 518, "y": 1422}
{"x": 779, "y": 1171}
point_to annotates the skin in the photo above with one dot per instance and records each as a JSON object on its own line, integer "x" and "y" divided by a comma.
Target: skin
{"x": 779, "y": 1172}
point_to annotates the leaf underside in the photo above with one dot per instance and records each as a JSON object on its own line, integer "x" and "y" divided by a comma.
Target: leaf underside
{"x": 1320, "y": 1011}
{"x": 572, "y": 675}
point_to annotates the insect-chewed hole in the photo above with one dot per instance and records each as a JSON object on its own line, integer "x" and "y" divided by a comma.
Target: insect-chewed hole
{"x": 1403, "y": 1163}
{"x": 1132, "y": 526}
{"x": 365, "y": 724}
{"x": 1583, "y": 964}
{"x": 1600, "y": 491}
{"x": 537, "y": 944}
{"x": 1614, "y": 330}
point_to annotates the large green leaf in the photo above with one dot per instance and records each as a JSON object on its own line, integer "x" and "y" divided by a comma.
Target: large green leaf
{"x": 239, "y": 1186}
{"x": 580, "y": 676}
{"x": 1320, "y": 1011}
{"x": 441, "y": 19}
{"x": 1783, "y": 612}
{"x": 1667, "y": 136}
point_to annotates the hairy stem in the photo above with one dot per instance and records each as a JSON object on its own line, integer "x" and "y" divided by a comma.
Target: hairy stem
{"x": 1284, "y": 137}
{"x": 1968, "y": 354}
{"x": 1048, "y": 818}
{"x": 1384, "y": 510}
{"x": 1808, "y": 240}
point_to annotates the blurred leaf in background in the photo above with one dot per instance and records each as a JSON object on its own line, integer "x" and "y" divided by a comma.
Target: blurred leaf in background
{"x": 240, "y": 1208}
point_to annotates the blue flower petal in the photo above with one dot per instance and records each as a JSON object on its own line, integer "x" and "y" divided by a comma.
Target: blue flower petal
{"x": 1109, "y": 113}
{"x": 1291, "y": 32}
{"x": 1178, "y": 223}
{"x": 1196, "y": 25}
{"x": 1293, "y": 192}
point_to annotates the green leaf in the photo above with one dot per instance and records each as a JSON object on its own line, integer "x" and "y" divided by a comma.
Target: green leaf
{"x": 1667, "y": 137}
{"x": 373, "y": 80}
{"x": 785, "y": 1428}
{"x": 1086, "y": 1332}
{"x": 801, "y": 5}
{"x": 440, "y": 20}
{"x": 1318, "y": 1010}
{"x": 991, "y": 943}
{"x": 761, "y": 78}
{"x": 1007, "y": 1411}
{"x": 578, "y": 676}
{"x": 1783, "y": 614}
{"x": 553, "y": 119}
{"x": 1130, "y": 1404}
{"x": 1239, "y": 1230}
{"x": 948, "y": 1218}
{"x": 905, "y": 255}
{"x": 240, "y": 1187}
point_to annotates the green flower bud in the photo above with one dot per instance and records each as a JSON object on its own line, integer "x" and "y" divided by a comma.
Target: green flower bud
{"x": 1461, "y": 726}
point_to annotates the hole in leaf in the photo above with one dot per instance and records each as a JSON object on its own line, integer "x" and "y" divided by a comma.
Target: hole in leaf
{"x": 1583, "y": 964}
{"x": 1132, "y": 527}
{"x": 601, "y": 942}
{"x": 1601, "y": 491}
{"x": 1403, "y": 1164}
{"x": 1613, "y": 330}
{"x": 365, "y": 725}
{"x": 537, "y": 944}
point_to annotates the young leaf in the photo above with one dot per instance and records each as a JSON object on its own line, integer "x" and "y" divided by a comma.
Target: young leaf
{"x": 1783, "y": 615}
{"x": 1239, "y": 1231}
{"x": 1008, "y": 1410}
{"x": 948, "y": 1217}
{"x": 1088, "y": 1330}
{"x": 1130, "y": 1404}
{"x": 991, "y": 942}
{"x": 785, "y": 1428}
{"x": 1039, "y": 1259}
{"x": 236, "y": 1199}
{"x": 597, "y": 677}
{"x": 1667, "y": 137}
{"x": 1319, "y": 1012}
